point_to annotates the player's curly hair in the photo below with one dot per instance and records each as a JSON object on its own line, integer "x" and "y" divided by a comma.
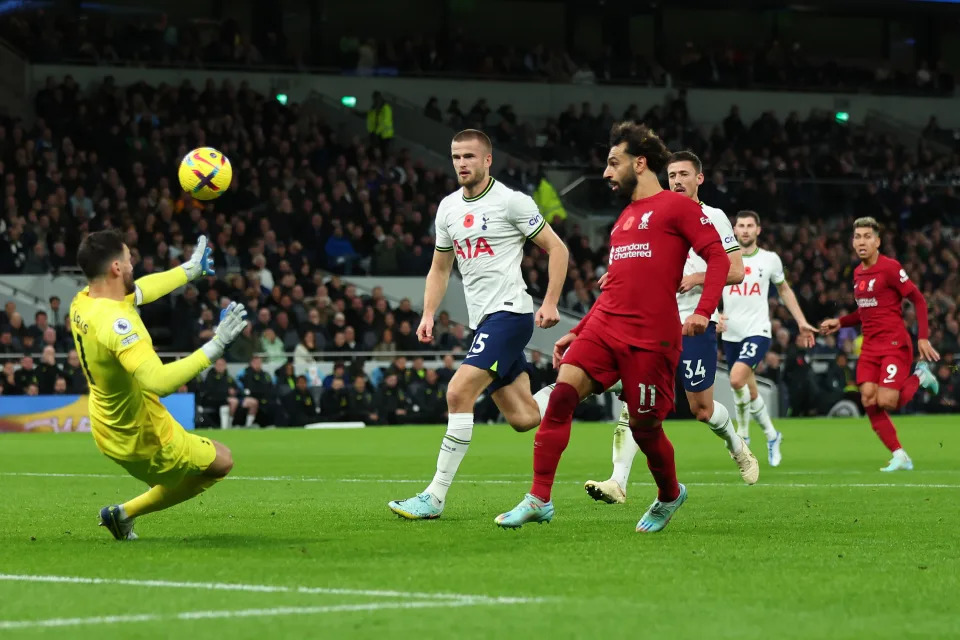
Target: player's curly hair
{"x": 641, "y": 141}
{"x": 97, "y": 251}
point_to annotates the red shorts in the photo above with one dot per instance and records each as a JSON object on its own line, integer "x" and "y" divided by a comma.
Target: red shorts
{"x": 648, "y": 376}
{"x": 888, "y": 370}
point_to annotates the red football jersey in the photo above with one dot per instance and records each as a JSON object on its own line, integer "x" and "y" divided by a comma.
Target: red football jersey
{"x": 648, "y": 248}
{"x": 879, "y": 292}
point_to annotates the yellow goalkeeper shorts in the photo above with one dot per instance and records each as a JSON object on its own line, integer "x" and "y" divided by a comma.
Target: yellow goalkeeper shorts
{"x": 186, "y": 454}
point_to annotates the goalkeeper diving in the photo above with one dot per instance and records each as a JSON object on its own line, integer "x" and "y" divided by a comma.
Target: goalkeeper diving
{"x": 127, "y": 379}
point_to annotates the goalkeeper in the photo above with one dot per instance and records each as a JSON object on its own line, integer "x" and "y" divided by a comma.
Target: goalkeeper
{"x": 127, "y": 379}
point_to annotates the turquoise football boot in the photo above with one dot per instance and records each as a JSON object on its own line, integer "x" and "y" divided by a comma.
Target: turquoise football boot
{"x": 422, "y": 506}
{"x": 659, "y": 513}
{"x": 928, "y": 381}
{"x": 530, "y": 509}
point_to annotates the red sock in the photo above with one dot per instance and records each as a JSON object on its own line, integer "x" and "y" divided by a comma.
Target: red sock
{"x": 659, "y": 451}
{"x": 552, "y": 438}
{"x": 883, "y": 426}
{"x": 908, "y": 390}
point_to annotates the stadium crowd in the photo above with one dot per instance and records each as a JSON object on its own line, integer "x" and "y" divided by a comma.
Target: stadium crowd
{"x": 102, "y": 38}
{"x": 308, "y": 206}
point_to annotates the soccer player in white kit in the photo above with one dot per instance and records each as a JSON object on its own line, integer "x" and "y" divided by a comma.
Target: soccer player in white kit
{"x": 698, "y": 362}
{"x": 484, "y": 225}
{"x": 746, "y": 335}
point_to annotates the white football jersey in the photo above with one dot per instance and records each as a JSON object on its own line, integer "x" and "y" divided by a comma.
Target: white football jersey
{"x": 687, "y": 302}
{"x": 745, "y": 304}
{"x": 487, "y": 234}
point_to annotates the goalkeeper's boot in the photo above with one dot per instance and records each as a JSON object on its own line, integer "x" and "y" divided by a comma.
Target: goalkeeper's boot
{"x": 928, "y": 381}
{"x": 899, "y": 462}
{"x": 608, "y": 491}
{"x": 530, "y": 509}
{"x": 423, "y": 506}
{"x": 659, "y": 513}
{"x": 119, "y": 527}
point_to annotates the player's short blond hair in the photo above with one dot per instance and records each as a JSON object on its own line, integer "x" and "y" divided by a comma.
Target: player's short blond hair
{"x": 867, "y": 222}
{"x": 475, "y": 134}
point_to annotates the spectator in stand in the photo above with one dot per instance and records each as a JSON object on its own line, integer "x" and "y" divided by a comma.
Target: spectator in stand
{"x": 27, "y": 374}
{"x": 220, "y": 393}
{"x": 8, "y": 380}
{"x": 445, "y": 373}
{"x": 428, "y": 400}
{"x": 339, "y": 373}
{"x": 73, "y": 372}
{"x": 258, "y": 384}
{"x": 361, "y": 405}
{"x": 333, "y": 401}
{"x": 392, "y": 401}
{"x": 299, "y": 405}
{"x": 455, "y": 341}
{"x": 47, "y": 370}
{"x": 303, "y": 353}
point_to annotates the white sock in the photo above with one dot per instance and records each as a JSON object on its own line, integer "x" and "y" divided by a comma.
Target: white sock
{"x": 625, "y": 449}
{"x": 721, "y": 424}
{"x": 250, "y": 418}
{"x": 454, "y": 446}
{"x": 123, "y": 513}
{"x": 225, "y": 417}
{"x": 901, "y": 453}
{"x": 542, "y": 397}
{"x": 616, "y": 388}
{"x": 741, "y": 399}
{"x": 759, "y": 411}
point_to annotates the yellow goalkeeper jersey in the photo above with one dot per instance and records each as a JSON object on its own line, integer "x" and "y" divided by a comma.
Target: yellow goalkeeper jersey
{"x": 127, "y": 421}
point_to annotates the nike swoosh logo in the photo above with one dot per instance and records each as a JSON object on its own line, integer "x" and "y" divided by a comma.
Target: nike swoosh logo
{"x": 644, "y": 410}
{"x": 470, "y": 356}
{"x": 693, "y": 384}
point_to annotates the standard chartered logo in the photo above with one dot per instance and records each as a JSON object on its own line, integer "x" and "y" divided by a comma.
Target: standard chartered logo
{"x": 635, "y": 250}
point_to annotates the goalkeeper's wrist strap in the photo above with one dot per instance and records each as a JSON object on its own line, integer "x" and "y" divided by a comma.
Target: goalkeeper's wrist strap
{"x": 213, "y": 349}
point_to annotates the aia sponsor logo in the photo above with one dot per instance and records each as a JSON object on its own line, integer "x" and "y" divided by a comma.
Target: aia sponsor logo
{"x": 468, "y": 250}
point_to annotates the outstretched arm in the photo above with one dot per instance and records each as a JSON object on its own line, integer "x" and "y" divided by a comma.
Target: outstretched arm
{"x": 156, "y": 285}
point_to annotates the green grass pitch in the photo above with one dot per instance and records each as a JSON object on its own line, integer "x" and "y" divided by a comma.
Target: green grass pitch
{"x": 299, "y": 542}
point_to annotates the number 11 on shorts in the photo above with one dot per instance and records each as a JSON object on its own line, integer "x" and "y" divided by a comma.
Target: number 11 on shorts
{"x": 648, "y": 390}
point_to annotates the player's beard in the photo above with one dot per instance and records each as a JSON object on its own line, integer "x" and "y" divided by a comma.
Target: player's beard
{"x": 472, "y": 180}
{"x": 128, "y": 284}
{"x": 625, "y": 187}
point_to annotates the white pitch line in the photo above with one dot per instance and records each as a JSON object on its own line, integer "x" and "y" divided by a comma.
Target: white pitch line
{"x": 794, "y": 485}
{"x": 237, "y": 613}
{"x": 265, "y": 588}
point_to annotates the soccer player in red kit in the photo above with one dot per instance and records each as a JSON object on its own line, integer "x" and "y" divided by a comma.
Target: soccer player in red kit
{"x": 633, "y": 331}
{"x": 883, "y": 371}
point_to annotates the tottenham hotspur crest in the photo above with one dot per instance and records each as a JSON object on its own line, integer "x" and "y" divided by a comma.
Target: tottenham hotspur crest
{"x": 645, "y": 220}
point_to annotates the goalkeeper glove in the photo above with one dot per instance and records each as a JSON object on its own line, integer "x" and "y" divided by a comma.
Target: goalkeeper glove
{"x": 201, "y": 262}
{"x": 233, "y": 320}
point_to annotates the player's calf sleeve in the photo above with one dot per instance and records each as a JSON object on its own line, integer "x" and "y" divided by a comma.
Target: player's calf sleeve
{"x": 660, "y": 460}
{"x": 883, "y": 427}
{"x": 721, "y": 424}
{"x": 741, "y": 400}
{"x": 758, "y": 409}
{"x": 625, "y": 449}
{"x": 908, "y": 390}
{"x": 552, "y": 438}
{"x": 453, "y": 447}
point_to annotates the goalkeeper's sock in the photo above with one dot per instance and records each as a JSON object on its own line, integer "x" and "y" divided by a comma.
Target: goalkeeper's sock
{"x": 453, "y": 447}
{"x": 161, "y": 497}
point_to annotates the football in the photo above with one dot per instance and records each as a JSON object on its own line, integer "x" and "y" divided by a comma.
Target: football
{"x": 205, "y": 173}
